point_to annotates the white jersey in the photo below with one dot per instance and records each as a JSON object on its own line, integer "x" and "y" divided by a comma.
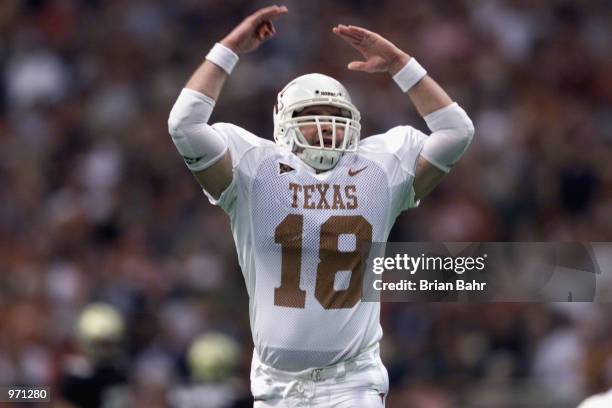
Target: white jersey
{"x": 302, "y": 238}
{"x": 603, "y": 400}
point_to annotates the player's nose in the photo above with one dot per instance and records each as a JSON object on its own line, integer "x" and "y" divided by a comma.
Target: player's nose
{"x": 328, "y": 128}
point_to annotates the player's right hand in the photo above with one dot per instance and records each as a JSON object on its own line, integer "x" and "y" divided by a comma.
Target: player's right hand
{"x": 254, "y": 30}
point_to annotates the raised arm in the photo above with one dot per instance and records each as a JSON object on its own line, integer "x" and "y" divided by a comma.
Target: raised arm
{"x": 205, "y": 151}
{"x": 452, "y": 129}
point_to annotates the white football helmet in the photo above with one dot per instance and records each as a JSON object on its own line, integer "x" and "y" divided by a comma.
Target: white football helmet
{"x": 309, "y": 90}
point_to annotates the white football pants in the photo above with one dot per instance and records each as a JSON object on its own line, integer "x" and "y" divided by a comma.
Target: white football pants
{"x": 358, "y": 382}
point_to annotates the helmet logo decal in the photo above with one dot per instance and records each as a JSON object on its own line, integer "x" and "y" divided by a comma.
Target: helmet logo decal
{"x": 327, "y": 93}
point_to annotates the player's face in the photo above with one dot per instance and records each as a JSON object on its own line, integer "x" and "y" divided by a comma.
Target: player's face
{"x": 311, "y": 133}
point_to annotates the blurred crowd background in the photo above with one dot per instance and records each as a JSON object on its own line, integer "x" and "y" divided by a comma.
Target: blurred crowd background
{"x": 97, "y": 206}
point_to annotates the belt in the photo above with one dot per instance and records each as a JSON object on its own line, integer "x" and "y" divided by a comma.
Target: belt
{"x": 324, "y": 373}
{"x": 336, "y": 371}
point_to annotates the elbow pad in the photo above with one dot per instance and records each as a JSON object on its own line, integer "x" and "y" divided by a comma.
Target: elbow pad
{"x": 452, "y": 133}
{"x": 199, "y": 144}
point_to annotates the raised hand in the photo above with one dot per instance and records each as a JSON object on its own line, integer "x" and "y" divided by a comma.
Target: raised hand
{"x": 380, "y": 54}
{"x": 254, "y": 30}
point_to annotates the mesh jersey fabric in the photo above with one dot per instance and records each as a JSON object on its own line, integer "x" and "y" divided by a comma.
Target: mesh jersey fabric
{"x": 302, "y": 237}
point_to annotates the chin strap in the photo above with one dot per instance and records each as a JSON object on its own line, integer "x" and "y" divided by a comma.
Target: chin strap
{"x": 320, "y": 159}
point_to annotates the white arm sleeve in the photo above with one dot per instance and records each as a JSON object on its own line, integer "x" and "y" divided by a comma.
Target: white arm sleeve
{"x": 452, "y": 133}
{"x": 199, "y": 144}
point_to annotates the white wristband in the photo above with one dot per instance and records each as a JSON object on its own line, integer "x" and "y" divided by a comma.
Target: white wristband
{"x": 223, "y": 57}
{"x": 408, "y": 76}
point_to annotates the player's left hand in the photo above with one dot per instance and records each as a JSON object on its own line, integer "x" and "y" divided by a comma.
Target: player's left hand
{"x": 380, "y": 54}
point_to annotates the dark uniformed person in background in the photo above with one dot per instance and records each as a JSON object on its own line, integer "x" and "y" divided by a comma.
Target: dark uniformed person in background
{"x": 96, "y": 378}
{"x": 211, "y": 363}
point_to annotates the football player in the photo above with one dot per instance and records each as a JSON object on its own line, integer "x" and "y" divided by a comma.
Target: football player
{"x": 98, "y": 376}
{"x": 212, "y": 360}
{"x": 305, "y": 209}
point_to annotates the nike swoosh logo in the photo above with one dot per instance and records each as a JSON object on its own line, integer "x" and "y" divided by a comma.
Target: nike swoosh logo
{"x": 354, "y": 173}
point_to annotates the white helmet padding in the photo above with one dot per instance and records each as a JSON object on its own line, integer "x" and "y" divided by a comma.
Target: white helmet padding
{"x": 310, "y": 90}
